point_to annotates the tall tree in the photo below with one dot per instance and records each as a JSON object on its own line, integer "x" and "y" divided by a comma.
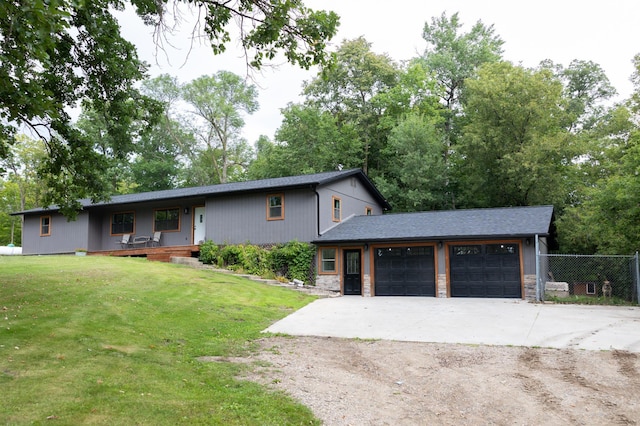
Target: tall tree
{"x": 59, "y": 53}
{"x": 159, "y": 155}
{"x": 515, "y": 150}
{"x": 316, "y": 142}
{"x": 21, "y": 187}
{"x": 218, "y": 103}
{"x": 586, "y": 88}
{"x": 606, "y": 217}
{"x": 416, "y": 172}
{"x": 346, "y": 89}
{"x": 10, "y": 229}
{"x": 454, "y": 56}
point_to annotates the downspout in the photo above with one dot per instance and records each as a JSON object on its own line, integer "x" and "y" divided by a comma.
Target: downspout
{"x": 313, "y": 187}
{"x": 539, "y": 291}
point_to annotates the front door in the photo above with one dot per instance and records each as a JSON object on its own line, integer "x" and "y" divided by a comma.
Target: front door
{"x": 199, "y": 223}
{"x": 352, "y": 272}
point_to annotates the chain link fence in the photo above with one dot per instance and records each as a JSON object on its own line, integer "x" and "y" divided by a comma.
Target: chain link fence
{"x": 607, "y": 280}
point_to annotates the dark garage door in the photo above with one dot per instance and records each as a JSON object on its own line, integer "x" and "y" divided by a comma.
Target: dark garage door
{"x": 485, "y": 270}
{"x": 404, "y": 271}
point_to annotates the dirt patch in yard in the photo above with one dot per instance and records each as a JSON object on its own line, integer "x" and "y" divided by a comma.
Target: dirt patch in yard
{"x": 356, "y": 382}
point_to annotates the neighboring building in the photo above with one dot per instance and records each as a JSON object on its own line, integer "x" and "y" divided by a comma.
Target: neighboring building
{"x": 261, "y": 212}
{"x": 457, "y": 253}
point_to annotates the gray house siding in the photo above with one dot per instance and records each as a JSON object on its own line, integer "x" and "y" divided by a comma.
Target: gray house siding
{"x": 234, "y": 213}
{"x": 243, "y": 218}
{"x": 64, "y": 236}
{"x": 354, "y": 200}
{"x": 144, "y": 222}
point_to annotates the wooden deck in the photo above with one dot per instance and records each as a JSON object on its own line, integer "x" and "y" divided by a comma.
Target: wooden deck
{"x": 158, "y": 254}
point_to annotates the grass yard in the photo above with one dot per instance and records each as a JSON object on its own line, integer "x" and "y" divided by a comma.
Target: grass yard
{"x": 100, "y": 340}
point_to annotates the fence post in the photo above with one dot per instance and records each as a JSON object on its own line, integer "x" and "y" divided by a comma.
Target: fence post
{"x": 538, "y": 278}
{"x": 637, "y": 278}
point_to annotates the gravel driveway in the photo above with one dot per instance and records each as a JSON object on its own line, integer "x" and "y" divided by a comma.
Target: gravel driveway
{"x": 456, "y": 362}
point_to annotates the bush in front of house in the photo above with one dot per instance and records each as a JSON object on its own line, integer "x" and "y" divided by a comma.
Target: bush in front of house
{"x": 294, "y": 260}
{"x": 210, "y": 253}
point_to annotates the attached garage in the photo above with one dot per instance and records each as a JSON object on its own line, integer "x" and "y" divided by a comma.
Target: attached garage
{"x": 405, "y": 271}
{"x": 482, "y": 253}
{"x": 485, "y": 270}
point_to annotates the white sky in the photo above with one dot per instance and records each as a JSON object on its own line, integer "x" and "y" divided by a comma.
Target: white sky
{"x": 607, "y": 33}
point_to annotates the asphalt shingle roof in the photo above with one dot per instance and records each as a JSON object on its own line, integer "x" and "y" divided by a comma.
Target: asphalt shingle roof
{"x": 475, "y": 223}
{"x": 235, "y": 187}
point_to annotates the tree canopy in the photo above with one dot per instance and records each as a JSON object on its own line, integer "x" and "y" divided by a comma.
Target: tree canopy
{"x": 59, "y": 54}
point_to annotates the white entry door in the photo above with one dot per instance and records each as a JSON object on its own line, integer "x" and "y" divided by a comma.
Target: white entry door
{"x": 199, "y": 224}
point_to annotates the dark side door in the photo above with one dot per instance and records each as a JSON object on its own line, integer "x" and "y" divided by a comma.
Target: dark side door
{"x": 352, "y": 275}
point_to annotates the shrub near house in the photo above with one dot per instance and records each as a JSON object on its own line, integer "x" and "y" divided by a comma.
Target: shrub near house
{"x": 294, "y": 260}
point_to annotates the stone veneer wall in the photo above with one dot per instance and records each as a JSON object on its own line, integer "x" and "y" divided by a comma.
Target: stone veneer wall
{"x": 366, "y": 288}
{"x": 328, "y": 282}
{"x": 441, "y": 286}
{"x": 530, "y": 287}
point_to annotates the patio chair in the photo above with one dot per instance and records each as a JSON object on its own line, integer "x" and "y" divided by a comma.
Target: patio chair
{"x": 155, "y": 241}
{"x": 124, "y": 242}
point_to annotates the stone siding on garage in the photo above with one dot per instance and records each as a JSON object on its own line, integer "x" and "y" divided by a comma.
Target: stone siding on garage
{"x": 441, "y": 289}
{"x": 328, "y": 282}
{"x": 530, "y": 288}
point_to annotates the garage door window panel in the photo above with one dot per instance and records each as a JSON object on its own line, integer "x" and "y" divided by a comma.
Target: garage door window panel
{"x": 466, "y": 250}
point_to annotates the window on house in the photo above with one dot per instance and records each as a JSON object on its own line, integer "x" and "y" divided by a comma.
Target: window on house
{"x": 166, "y": 219}
{"x": 45, "y": 226}
{"x": 328, "y": 260}
{"x": 368, "y": 211}
{"x": 337, "y": 214}
{"x": 275, "y": 207}
{"x": 122, "y": 223}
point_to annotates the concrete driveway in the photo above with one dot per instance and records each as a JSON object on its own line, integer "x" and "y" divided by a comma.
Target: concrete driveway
{"x": 470, "y": 321}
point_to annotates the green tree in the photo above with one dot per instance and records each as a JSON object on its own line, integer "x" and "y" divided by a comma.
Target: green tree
{"x": 159, "y": 155}
{"x": 316, "y": 142}
{"x": 515, "y": 150}
{"x": 217, "y": 103}
{"x": 454, "y": 57}
{"x": 416, "y": 173}
{"x": 21, "y": 188}
{"x": 605, "y": 218}
{"x": 10, "y": 226}
{"x": 156, "y": 164}
{"x": 586, "y": 89}
{"x": 269, "y": 160}
{"x": 59, "y": 53}
{"x": 345, "y": 90}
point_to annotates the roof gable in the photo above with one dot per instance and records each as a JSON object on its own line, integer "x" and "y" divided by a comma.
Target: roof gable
{"x": 474, "y": 223}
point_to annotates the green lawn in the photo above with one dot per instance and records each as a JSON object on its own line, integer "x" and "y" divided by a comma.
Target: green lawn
{"x": 100, "y": 340}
